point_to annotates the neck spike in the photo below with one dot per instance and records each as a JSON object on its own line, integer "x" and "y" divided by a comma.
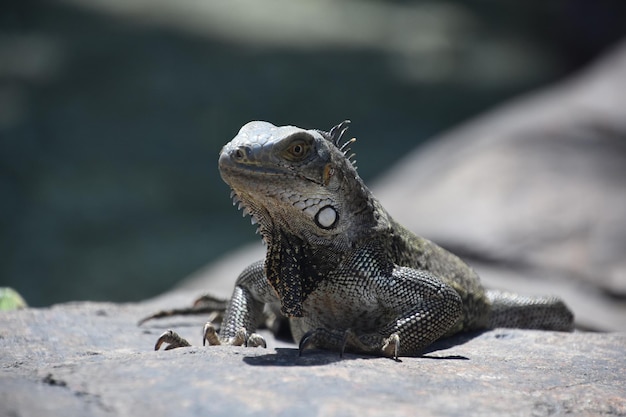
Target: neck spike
{"x": 336, "y": 133}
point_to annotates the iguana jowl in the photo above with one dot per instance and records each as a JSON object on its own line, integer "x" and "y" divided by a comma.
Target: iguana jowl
{"x": 345, "y": 273}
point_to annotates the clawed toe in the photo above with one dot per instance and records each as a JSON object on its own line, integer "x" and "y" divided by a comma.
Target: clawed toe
{"x": 307, "y": 341}
{"x": 322, "y": 338}
{"x": 391, "y": 346}
{"x": 241, "y": 338}
{"x": 209, "y": 334}
{"x": 256, "y": 340}
{"x": 172, "y": 340}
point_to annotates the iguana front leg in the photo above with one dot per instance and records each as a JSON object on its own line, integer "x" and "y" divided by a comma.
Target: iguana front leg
{"x": 425, "y": 309}
{"x": 242, "y": 317}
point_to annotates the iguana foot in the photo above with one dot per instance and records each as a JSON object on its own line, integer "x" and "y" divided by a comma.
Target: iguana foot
{"x": 209, "y": 334}
{"x": 256, "y": 340}
{"x": 391, "y": 346}
{"x": 322, "y": 338}
{"x": 348, "y": 340}
{"x": 172, "y": 339}
{"x": 241, "y": 338}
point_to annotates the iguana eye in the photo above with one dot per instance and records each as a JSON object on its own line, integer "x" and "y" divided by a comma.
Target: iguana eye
{"x": 297, "y": 151}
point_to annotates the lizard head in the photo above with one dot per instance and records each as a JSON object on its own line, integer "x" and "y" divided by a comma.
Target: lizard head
{"x": 295, "y": 180}
{"x": 299, "y": 186}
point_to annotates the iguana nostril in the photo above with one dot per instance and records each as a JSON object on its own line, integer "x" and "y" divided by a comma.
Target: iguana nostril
{"x": 239, "y": 154}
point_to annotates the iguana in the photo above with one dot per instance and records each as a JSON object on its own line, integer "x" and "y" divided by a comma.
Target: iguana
{"x": 346, "y": 274}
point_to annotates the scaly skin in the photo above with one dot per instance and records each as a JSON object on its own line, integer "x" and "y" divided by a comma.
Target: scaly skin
{"x": 345, "y": 273}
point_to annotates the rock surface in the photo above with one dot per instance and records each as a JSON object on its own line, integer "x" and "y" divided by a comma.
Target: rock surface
{"x": 91, "y": 359}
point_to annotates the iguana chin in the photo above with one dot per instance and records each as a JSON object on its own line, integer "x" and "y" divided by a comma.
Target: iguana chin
{"x": 345, "y": 273}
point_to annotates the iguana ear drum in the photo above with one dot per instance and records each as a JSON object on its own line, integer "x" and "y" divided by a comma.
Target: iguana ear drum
{"x": 327, "y": 217}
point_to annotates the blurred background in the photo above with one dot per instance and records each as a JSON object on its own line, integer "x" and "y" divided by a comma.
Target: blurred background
{"x": 112, "y": 112}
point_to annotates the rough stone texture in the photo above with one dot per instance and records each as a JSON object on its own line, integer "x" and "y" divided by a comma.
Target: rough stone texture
{"x": 90, "y": 359}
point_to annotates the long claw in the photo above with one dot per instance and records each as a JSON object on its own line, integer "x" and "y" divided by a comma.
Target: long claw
{"x": 347, "y": 335}
{"x": 210, "y": 335}
{"x": 172, "y": 339}
{"x": 306, "y": 341}
{"x": 392, "y": 346}
{"x": 240, "y": 338}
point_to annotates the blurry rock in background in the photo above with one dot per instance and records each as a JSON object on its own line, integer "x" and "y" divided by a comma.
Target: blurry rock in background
{"x": 112, "y": 114}
{"x": 533, "y": 194}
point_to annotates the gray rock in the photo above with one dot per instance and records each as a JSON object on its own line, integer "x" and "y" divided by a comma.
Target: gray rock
{"x": 91, "y": 359}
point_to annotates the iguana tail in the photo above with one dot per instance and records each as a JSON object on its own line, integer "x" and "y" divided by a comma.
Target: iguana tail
{"x": 513, "y": 310}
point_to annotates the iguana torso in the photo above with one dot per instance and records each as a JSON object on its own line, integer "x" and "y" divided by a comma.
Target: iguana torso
{"x": 345, "y": 273}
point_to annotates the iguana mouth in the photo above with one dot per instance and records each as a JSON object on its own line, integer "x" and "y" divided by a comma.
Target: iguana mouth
{"x": 233, "y": 171}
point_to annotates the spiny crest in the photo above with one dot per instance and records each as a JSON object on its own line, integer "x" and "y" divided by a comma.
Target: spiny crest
{"x": 245, "y": 211}
{"x": 336, "y": 136}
